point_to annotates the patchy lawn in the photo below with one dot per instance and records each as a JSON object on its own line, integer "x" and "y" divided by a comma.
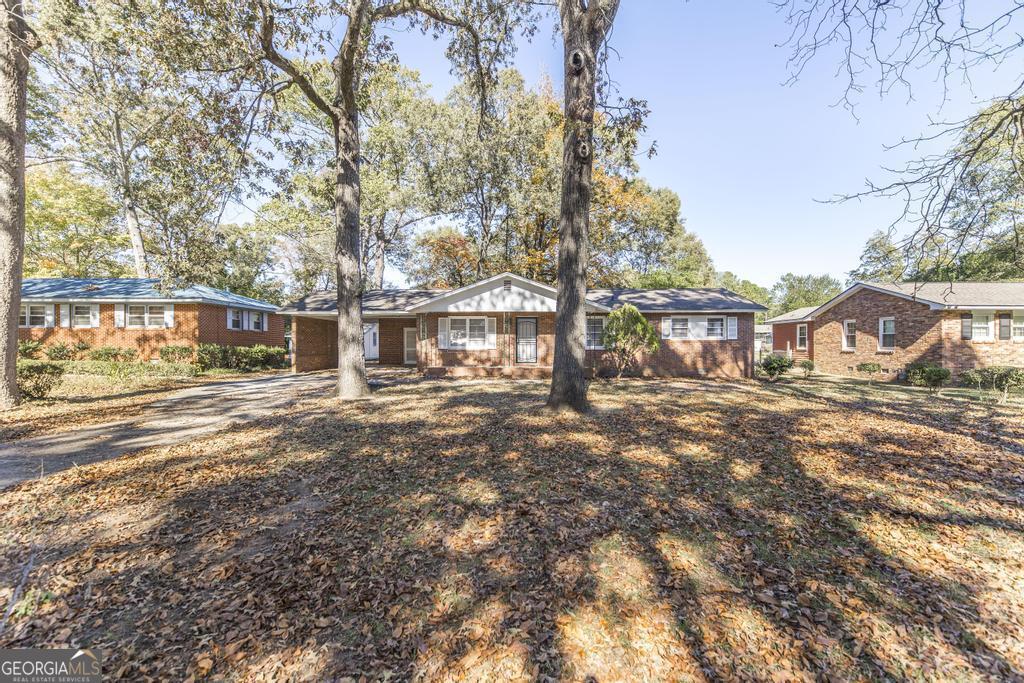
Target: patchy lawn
{"x": 81, "y": 400}
{"x": 684, "y": 531}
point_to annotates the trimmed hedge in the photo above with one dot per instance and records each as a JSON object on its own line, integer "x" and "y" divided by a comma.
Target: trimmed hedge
{"x": 113, "y": 353}
{"x": 927, "y": 375}
{"x": 1000, "y": 378}
{"x": 775, "y": 366}
{"x": 116, "y": 369}
{"x": 242, "y": 358}
{"x": 36, "y": 378}
{"x": 177, "y": 354}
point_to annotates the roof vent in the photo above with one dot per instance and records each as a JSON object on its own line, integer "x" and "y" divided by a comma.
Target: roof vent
{"x": 508, "y": 285}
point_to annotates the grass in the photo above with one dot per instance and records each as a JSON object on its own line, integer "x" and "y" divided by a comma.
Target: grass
{"x": 685, "y": 530}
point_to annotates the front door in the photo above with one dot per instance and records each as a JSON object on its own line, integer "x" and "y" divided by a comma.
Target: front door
{"x": 526, "y": 340}
{"x": 410, "y": 345}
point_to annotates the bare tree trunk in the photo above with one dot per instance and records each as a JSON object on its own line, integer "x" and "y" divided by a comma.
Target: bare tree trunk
{"x": 16, "y": 44}
{"x": 131, "y": 215}
{"x": 583, "y": 30}
{"x": 351, "y": 364}
{"x": 378, "y": 264}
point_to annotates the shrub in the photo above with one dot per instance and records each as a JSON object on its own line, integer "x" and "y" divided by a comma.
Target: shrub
{"x": 775, "y": 366}
{"x": 60, "y": 351}
{"x": 807, "y": 365}
{"x": 123, "y": 370}
{"x": 36, "y": 379}
{"x": 80, "y": 348}
{"x": 209, "y": 356}
{"x": 626, "y": 333}
{"x": 176, "y": 354}
{"x": 869, "y": 369}
{"x": 927, "y": 375}
{"x": 1005, "y": 378}
{"x": 113, "y": 354}
{"x": 29, "y": 349}
{"x": 973, "y": 378}
{"x": 243, "y": 358}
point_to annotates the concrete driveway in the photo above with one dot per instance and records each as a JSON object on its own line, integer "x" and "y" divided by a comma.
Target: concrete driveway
{"x": 184, "y": 415}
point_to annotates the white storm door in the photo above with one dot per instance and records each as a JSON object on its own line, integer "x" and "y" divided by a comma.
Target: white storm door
{"x": 410, "y": 345}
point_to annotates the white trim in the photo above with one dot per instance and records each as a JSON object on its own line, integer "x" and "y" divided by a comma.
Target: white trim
{"x": 798, "y": 347}
{"x": 525, "y": 282}
{"x": 732, "y": 328}
{"x": 27, "y": 317}
{"x": 269, "y": 308}
{"x": 406, "y": 349}
{"x": 119, "y": 315}
{"x": 231, "y": 319}
{"x": 845, "y": 346}
{"x": 881, "y": 328}
{"x": 467, "y": 345}
{"x": 149, "y": 323}
{"x": 991, "y": 334}
{"x": 1017, "y": 323}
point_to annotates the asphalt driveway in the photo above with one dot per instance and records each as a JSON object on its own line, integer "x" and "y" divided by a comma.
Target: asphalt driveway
{"x": 184, "y": 415}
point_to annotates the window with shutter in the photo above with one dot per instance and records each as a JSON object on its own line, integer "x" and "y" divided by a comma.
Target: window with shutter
{"x": 81, "y": 315}
{"x": 716, "y": 328}
{"x": 849, "y": 335}
{"x": 966, "y": 325}
{"x": 1004, "y": 326}
{"x": 680, "y": 328}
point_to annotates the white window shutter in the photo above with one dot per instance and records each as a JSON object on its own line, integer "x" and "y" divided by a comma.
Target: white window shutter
{"x": 49, "y": 315}
{"x": 94, "y": 315}
{"x": 732, "y": 327}
{"x": 169, "y": 315}
{"x": 118, "y": 315}
{"x": 442, "y": 333}
{"x": 492, "y": 333}
{"x": 228, "y": 323}
{"x": 65, "y": 315}
{"x": 666, "y": 328}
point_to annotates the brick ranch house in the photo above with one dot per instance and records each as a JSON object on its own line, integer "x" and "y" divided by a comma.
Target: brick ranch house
{"x": 133, "y": 313}
{"x": 504, "y": 326}
{"x": 960, "y": 326}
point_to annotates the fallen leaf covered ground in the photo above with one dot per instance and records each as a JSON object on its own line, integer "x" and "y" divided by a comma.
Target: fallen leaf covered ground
{"x": 684, "y": 530}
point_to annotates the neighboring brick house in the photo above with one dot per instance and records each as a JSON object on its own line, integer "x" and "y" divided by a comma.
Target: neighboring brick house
{"x": 793, "y": 333}
{"x": 504, "y": 326}
{"x": 959, "y": 325}
{"x": 134, "y": 313}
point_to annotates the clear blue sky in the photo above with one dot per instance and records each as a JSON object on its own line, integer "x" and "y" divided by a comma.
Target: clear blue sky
{"x": 750, "y": 157}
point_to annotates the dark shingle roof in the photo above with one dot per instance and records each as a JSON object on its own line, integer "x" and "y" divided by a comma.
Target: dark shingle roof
{"x": 793, "y": 316}
{"x": 119, "y": 289}
{"x": 654, "y": 300}
{"x": 374, "y": 301}
{"x": 982, "y": 294}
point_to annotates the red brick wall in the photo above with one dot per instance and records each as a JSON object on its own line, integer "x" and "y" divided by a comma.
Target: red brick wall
{"x": 213, "y": 329}
{"x": 391, "y": 339}
{"x": 783, "y": 333}
{"x": 314, "y": 344}
{"x": 919, "y": 335}
{"x": 147, "y": 342}
{"x": 676, "y": 357}
{"x": 963, "y": 354}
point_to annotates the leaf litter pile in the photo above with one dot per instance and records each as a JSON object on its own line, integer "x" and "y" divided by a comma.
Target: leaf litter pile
{"x": 684, "y": 530}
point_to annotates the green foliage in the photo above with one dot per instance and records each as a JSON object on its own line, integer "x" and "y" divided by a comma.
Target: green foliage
{"x": 113, "y": 354}
{"x": 870, "y": 369}
{"x": 36, "y": 379}
{"x": 71, "y": 227}
{"x": 628, "y": 333}
{"x": 124, "y": 370}
{"x": 241, "y": 358}
{"x": 177, "y": 354}
{"x": 797, "y": 291}
{"x": 29, "y": 348}
{"x": 60, "y": 351}
{"x": 775, "y": 366}
{"x": 80, "y": 347}
{"x": 807, "y": 365}
{"x": 999, "y": 378}
{"x": 928, "y": 375}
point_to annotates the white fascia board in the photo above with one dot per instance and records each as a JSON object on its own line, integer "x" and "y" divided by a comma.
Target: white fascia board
{"x": 267, "y": 308}
{"x": 700, "y": 312}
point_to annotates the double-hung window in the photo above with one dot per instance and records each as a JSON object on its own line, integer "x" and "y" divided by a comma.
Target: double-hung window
{"x": 1018, "y": 326}
{"x": 256, "y": 321}
{"x": 849, "y": 335}
{"x": 595, "y": 332}
{"x": 981, "y": 326}
{"x": 467, "y": 333}
{"x": 32, "y": 315}
{"x": 235, "y": 319}
{"x": 81, "y": 315}
{"x": 801, "y": 336}
{"x": 680, "y": 328}
{"x": 140, "y": 315}
{"x": 716, "y": 328}
{"x": 887, "y": 334}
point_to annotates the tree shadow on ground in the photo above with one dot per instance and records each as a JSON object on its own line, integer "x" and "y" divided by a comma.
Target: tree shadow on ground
{"x": 683, "y": 531}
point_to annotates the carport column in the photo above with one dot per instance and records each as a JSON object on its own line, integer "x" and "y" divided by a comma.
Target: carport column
{"x": 295, "y": 343}
{"x": 421, "y": 342}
